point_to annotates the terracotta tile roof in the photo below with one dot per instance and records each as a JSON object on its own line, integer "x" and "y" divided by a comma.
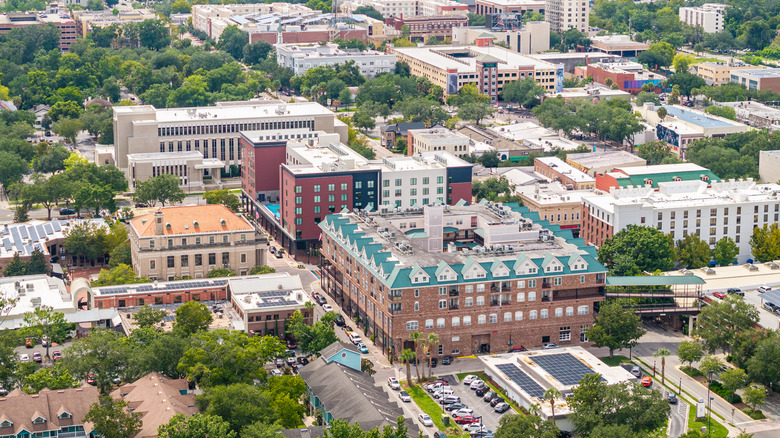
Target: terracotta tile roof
{"x": 182, "y": 220}
{"x": 22, "y": 409}
{"x": 158, "y": 399}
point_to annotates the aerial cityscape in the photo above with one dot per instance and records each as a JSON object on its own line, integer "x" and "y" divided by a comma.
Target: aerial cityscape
{"x": 403, "y": 219}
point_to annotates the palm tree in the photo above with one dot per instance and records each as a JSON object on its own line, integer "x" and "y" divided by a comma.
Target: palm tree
{"x": 433, "y": 339}
{"x": 552, "y": 394}
{"x": 662, "y": 353}
{"x": 407, "y": 356}
{"x": 418, "y": 339}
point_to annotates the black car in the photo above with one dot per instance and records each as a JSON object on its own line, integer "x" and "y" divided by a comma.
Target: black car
{"x": 438, "y": 434}
{"x": 434, "y": 362}
{"x": 339, "y": 320}
{"x": 496, "y": 400}
{"x": 302, "y": 360}
{"x": 140, "y": 205}
{"x": 272, "y": 249}
{"x": 672, "y": 398}
{"x": 454, "y": 407}
{"x": 489, "y": 396}
{"x": 481, "y": 391}
{"x": 66, "y": 211}
{"x": 735, "y": 291}
{"x": 446, "y": 360}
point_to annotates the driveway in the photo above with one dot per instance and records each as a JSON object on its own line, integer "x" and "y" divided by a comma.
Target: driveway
{"x": 468, "y": 397}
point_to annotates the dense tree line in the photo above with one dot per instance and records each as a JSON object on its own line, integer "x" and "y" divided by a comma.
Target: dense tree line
{"x": 609, "y": 120}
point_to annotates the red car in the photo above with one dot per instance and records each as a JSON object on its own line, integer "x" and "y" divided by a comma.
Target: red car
{"x": 647, "y": 381}
{"x": 91, "y": 378}
{"x": 720, "y": 295}
{"x": 466, "y": 419}
{"x": 56, "y": 355}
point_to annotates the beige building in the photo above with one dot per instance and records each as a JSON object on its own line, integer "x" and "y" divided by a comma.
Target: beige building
{"x": 719, "y": 73}
{"x": 265, "y": 303}
{"x": 594, "y": 163}
{"x": 532, "y": 38}
{"x": 191, "y": 241}
{"x": 188, "y": 166}
{"x": 437, "y": 139}
{"x": 567, "y": 14}
{"x": 87, "y": 20}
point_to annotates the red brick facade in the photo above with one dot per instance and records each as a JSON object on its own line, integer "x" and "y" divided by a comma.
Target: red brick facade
{"x": 594, "y": 230}
{"x": 164, "y": 296}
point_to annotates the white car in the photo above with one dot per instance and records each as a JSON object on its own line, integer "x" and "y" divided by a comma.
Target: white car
{"x": 426, "y": 420}
{"x": 24, "y": 357}
{"x": 393, "y": 384}
{"x": 470, "y": 378}
{"x": 474, "y": 427}
{"x": 476, "y": 384}
{"x": 405, "y": 397}
{"x": 327, "y": 307}
{"x": 764, "y": 289}
{"x": 276, "y": 372}
{"x": 550, "y": 346}
{"x": 463, "y": 412}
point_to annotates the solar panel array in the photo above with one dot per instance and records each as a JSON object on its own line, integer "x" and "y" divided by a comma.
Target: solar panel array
{"x": 523, "y": 380}
{"x": 564, "y": 367}
{"x": 151, "y": 287}
{"x": 25, "y": 238}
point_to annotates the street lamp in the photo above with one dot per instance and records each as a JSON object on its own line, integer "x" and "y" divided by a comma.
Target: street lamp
{"x": 679, "y": 388}
{"x": 709, "y": 417}
{"x": 653, "y": 367}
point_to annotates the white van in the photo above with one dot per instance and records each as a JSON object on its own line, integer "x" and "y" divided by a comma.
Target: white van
{"x": 354, "y": 337}
{"x": 443, "y": 392}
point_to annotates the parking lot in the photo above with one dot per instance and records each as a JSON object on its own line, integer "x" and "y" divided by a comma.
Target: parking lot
{"x": 481, "y": 408}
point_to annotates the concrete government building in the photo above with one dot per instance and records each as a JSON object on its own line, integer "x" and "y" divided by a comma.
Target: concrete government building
{"x": 485, "y": 278}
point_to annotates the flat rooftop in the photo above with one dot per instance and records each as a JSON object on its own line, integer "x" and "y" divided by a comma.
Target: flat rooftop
{"x": 268, "y": 292}
{"x": 32, "y": 292}
{"x": 617, "y": 42}
{"x": 699, "y": 118}
{"x": 522, "y": 130}
{"x": 564, "y": 168}
{"x": 553, "y": 193}
{"x": 233, "y": 111}
{"x": 590, "y": 160}
{"x": 758, "y": 73}
{"x": 464, "y": 58}
{"x": 662, "y": 168}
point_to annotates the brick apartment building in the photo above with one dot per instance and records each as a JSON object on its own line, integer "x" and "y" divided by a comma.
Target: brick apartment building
{"x": 485, "y": 278}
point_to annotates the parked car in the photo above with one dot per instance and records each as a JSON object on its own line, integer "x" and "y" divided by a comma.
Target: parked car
{"x": 362, "y": 347}
{"x": 764, "y": 289}
{"x": 303, "y": 360}
{"x": 462, "y": 412}
{"x": 279, "y": 363}
{"x": 517, "y": 349}
{"x": 327, "y": 307}
{"x": 550, "y": 346}
{"x": 719, "y": 294}
{"x": 29, "y": 342}
{"x": 446, "y": 360}
{"x": 405, "y": 397}
{"x": 501, "y": 407}
{"x": 66, "y": 211}
{"x": 276, "y": 372}
{"x": 496, "y": 400}
{"x": 636, "y": 371}
{"x": 434, "y": 362}
{"x": 481, "y": 391}
{"x": 672, "y": 397}
{"x": 735, "y": 291}
{"x": 291, "y": 345}
{"x": 56, "y": 355}
{"x": 439, "y": 434}
{"x": 647, "y": 381}
{"x": 354, "y": 337}
{"x": 450, "y": 399}
{"x": 339, "y": 320}
{"x": 392, "y": 382}
{"x": 272, "y": 250}
{"x": 468, "y": 379}
{"x": 489, "y": 396}
{"x": 466, "y": 419}
{"x": 278, "y": 254}
{"x": 476, "y": 384}
{"x": 37, "y": 357}
{"x": 475, "y": 427}
{"x": 769, "y": 306}
{"x": 426, "y": 420}
{"x": 455, "y": 407}
{"x": 290, "y": 360}
{"x": 24, "y": 357}
{"x": 91, "y": 379}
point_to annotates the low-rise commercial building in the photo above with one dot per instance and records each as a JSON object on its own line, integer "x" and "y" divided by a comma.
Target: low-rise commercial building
{"x": 32, "y": 292}
{"x": 627, "y": 75}
{"x": 87, "y": 20}
{"x": 756, "y": 114}
{"x": 422, "y": 27}
{"x": 719, "y": 73}
{"x": 488, "y": 140}
{"x": 621, "y": 45}
{"x": 527, "y": 39}
{"x": 190, "y": 241}
{"x": 710, "y": 209}
{"x": 555, "y": 203}
{"x": 489, "y": 7}
{"x": 593, "y": 92}
{"x": 158, "y": 293}
{"x": 302, "y": 57}
{"x": 594, "y": 163}
{"x": 265, "y": 303}
{"x": 483, "y": 277}
{"x": 437, "y": 139}
{"x": 555, "y": 169}
{"x": 758, "y": 79}
{"x": 622, "y": 177}
{"x": 487, "y": 67}
{"x": 391, "y": 133}
{"x": 709, "y": 16}
{"x": 63, "y": 22}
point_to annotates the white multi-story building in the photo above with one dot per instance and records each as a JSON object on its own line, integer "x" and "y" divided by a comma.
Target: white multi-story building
{"x": 722, "y": 209}
{"x": 437, "y": 139}
{"x": 396, "y": 8}
{"x": 213, "y": 19}
{"x": 567, "y": 14}
{"x": 301, "y": 57}
{"x": 214, "y": 131}
{"x": 709, "y": 16}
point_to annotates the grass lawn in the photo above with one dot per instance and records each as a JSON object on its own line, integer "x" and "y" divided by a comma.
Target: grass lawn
{"x": 615, "y": 360}
{"x": 430, "y": 407}
{"x": 486, "y": 379}
{"x": 718, "y": 431}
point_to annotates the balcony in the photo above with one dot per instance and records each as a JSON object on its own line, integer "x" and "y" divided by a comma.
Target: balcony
{"x": 394, "y": 298}
{"x": 499, "y": 302}
{"x": 454, "y": 292}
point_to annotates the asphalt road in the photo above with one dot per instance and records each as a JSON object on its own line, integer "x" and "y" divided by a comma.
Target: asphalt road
{"x": 678, "y": 423}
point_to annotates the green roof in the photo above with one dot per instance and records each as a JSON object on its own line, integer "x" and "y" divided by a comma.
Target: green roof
{"x": 654, "y": 280}
{"x": 692, "y": 175}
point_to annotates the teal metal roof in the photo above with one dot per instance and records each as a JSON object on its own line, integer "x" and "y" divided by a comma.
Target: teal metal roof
{"x": 450, "y": 230}
{"x": 654, "y": 280}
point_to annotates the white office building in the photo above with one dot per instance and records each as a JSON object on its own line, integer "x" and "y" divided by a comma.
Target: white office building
{"x": 725, "y": 209}
{"x": 567, "y": 14}
{"x": 302, "y": 57}
{"x": 709, "y": 16}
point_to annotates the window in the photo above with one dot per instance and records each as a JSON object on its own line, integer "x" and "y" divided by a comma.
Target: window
{"x": 507, "y": 316}
{"x": 493, "y": 318}
{"x": 416, "y": 306}
{"x": 557, "y": 281}
{"x": 198, "y": 259}
{"x": 331, "y": 187}
{"x": 316, "y": 188}
{"x": 455, "y": 321}
{"x": 481, "y": 319}
{"x": 411, "y": 325}
{"x": 442, "y": 304}
{"x": 317, "y": 209}
{"x": 480, "y": 301}
{"x": 469, "y": 288}
{"x": 469, "y": 302}
{"x": 152, "y": 264}
{"x": 298, "y": 189}
{"x": 582, "y": 279}
{"x": 559, "y": 312}
{"x": 570, "y": 311}
{"x": 531, "y": 296}
{"x": 439, "y": 180}
{"x": 521, "y": 284}
{"x": 582, "y": 310}
{"x": 429, "y": 323}
{"x": 584, "y": 333}
{"x": 151, "y": 244}
{"x": 532, "y": 314}
{"x": 466, "y": 320}
{"x": 564, "y": 334}
{"x": 343, "y": 186}
{"x": 440, "y": 322}
{"x": 543, "y": 313}
{"x": 480, "y": 288}
{"x": 519, "y": 315}
{"x": 416, "y": 293}
{"x": 532, "y": 283}
{"x": 212, "y": 258}
{"x": 520, "y": 297}
{"x": 185, "y": 261}
{"x": 243, "y": 258}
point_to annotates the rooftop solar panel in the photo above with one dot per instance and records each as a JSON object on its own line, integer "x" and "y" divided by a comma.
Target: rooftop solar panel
{"x": 56, "y": 224}
{"x": 168, "y": 318}
{"x": 523, "y": 380}
{"x": 33, "y": 233}
{"x": 7, "y": 244}
{"x": 40, "y": 230}
{"x": 48, "y": 228}
{"x": 564, "y": 367}
{"x": 23, "y": 232}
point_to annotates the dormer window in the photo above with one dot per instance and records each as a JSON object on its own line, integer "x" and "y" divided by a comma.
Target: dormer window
{"x": 705, "y": 178}
{"x": 6, "y": 423}
{"x": 65, "y": 415}
{"x": 195, "y": 224}
{"x": 222, "y": 222}
{"x": 167, "y": 225}
{"x": 648, "y": 182}
{"x": 39, "y": 420}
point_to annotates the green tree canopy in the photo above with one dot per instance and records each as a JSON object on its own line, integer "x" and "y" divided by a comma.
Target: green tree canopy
{"x": 526, "y": 92}
{"x": 637, "y": 249}
{"x": 196, "y": 426}
{"x": 224, "y": 197}
{"x": 725, "y": 251}
{"x": 192, "y": 317}
{"x": 693, "y": 252}
{"x": 689, "y": 351}
{"x": 148, "y": 316}
{"x": 615, "y": 328}
{"x": 120, "y": 274}
{"x": 161, "y": 188}
{"x": 525, "y": 426}
{"x": 721, "y": 322}
{"x": 112, "y": 418}
{"x": 315, "y": 337}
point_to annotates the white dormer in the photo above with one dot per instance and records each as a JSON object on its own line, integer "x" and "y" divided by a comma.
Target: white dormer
{"x": 473, "y": 270}
{"x": 551, "y": 264}
{"x": 524, "y": 266}
{"x": 418, "y": 275}
{"x": 499, "y": 269}
{"x": 577, "y": 263}
{"x": 444, "y": 272}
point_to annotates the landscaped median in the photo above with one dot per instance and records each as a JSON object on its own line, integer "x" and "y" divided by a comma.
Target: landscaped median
{"x": 430, "y": 407}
